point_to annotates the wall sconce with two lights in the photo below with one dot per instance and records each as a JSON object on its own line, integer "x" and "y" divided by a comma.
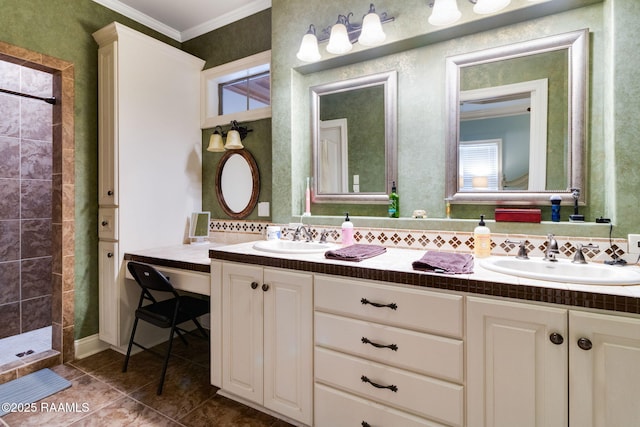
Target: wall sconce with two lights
{"x": 234, "y": 138}
{"x": 343, "y": 34}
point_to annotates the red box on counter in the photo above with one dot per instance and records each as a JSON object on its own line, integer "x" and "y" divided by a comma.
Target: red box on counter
{"x": 518, "y": 215}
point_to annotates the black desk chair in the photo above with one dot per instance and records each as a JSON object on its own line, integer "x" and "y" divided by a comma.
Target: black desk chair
{"x": 164, "y": 314}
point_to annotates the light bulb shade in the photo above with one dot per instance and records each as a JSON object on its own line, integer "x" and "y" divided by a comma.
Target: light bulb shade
{"x": 339, "y": 40}
{"x": 485, "y": 7}
{"x": 309, "y": 48}
{"x": 372, "y": 34}
{"x": 445, "y": 12}
{"x": 215, "y": 143}
{"x": 233, "y": 141}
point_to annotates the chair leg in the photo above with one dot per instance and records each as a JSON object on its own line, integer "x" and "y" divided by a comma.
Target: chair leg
{"x": 200, "y": 328}
{"x": 166, "y": 360}
{"x": 133, "y": 333}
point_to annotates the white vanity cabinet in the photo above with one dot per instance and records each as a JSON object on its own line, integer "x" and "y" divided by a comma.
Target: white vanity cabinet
{"x": 387, "y": 355}
{"x": 520, "y": 372}
{"x": 516, "y": 364}
{"x": 267, "y": 338}
{"x": 149, "y": 168}
{"x": 604, "y": 370}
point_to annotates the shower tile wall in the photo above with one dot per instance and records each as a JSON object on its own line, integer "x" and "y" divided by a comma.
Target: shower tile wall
{"x": 25, "y": 201}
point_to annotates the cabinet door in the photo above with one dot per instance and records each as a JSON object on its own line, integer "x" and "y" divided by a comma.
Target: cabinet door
{"x": 108, "y": 293}
{"x": 516, "y": 375}
{"x": 107, "y": 125}
{"x": 242, "y": 335}
{"x": 288, "y": 343}
{"x": 604, "y": 376}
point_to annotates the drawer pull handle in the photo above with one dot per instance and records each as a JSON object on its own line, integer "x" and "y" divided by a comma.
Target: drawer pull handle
{"x": 392, "y": 306}
{"x": 392, "y": 387}
{"x": 366, "y": 340}
{"x": 365, "y": 424}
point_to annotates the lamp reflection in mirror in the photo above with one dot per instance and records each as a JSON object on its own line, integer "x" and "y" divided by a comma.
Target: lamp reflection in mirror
{"x": 446, "y": 12}
{"x": 343, "y": 34}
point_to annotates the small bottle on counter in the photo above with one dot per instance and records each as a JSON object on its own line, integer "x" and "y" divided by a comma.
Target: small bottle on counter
{"x": 481, "y": 240}
{"x": 347, "y": 231}
{"x": 394, "y": 202}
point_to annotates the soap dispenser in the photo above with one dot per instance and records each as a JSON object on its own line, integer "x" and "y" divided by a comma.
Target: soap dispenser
{"x": 482, "y": 240}
{"x": 347, "y": 231}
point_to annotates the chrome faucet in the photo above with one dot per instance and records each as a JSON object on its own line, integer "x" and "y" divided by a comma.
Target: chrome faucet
{"x": 305, "y": 230}
{"x": 578, "y": 258}
{"x": 522, "y": 249}
{"x": 552, "y": 249}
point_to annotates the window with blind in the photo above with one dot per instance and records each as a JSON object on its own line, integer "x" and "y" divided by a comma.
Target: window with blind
{"x": 480, "y": 165}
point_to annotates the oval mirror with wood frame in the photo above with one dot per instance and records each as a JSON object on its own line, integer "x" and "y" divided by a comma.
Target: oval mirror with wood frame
{"x": 237, "y": 183}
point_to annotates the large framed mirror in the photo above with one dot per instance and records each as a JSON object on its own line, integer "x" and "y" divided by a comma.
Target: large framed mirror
{"x": 516, "y": 118}
{"x": 354, "y": 136}
{"x": 237, "y": 183}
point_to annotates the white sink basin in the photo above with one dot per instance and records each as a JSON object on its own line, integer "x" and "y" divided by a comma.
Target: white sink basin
{"x": 564, "y": 271}
{"x": 291, "y": 247}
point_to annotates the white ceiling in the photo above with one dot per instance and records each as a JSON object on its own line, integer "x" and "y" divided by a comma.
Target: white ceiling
{"x": 185, "y": 19}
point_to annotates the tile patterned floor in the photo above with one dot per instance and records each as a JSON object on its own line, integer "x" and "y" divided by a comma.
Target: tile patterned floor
{"x": 101, "y": 395}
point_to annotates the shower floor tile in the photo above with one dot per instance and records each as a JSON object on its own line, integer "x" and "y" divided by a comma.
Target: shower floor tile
{"x": 31, "y": 342}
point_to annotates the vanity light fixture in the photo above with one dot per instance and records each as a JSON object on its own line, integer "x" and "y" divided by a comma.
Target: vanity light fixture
{"x": 343, "y": 34}
{"x": 446, "y": 12}
{"x": 234, "y": 138}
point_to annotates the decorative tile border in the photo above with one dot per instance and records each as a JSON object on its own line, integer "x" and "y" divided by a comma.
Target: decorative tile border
{"x": 449, "y": 241}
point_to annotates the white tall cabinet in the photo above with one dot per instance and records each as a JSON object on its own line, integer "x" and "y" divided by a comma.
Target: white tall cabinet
{"x": 149, "y": 148}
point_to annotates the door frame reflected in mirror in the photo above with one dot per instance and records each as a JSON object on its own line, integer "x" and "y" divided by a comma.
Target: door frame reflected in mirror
{"x": 576, "y": 44}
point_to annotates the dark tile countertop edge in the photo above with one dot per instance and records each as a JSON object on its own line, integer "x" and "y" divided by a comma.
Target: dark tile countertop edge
{"x": 465, "y": 284}
{"x": 183, "y": 265}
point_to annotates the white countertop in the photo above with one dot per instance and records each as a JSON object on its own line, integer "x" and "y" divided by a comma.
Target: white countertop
{"x": 398, "y": 259}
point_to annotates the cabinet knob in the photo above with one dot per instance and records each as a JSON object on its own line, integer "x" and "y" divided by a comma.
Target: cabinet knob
{"x": 585, "y": 343}
{"x": 265, "y": 287}
{"x": 109, "y": 254}
{"x": 365, "y": 424}
{"x": 556, "y": 338}
{"x": 105, "y": 223}
{"x": 254, "y": 285}
{"x": 110, "y": 193}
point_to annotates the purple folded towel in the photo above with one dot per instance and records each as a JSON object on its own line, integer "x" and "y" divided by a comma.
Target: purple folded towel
{"x": 355, "y": 252}
{"x": 445, "y": 262}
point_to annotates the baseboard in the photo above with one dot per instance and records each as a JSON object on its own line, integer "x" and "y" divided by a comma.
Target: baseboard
{"x": 85, "y": 347}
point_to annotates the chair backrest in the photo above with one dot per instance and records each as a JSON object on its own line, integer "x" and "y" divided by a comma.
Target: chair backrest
{"x": 149, "y": 278}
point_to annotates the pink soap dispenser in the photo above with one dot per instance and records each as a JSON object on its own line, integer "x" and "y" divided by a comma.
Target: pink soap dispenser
{"x": 347, "y": 231}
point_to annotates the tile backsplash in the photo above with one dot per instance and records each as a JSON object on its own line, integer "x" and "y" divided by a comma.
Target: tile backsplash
{"x": 235, "y": 231}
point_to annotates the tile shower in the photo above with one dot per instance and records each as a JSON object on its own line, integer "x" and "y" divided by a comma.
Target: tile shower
{"x": 25, "y": 201}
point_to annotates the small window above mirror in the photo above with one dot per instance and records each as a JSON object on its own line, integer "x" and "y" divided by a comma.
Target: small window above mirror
{"x": 239, "y": 90}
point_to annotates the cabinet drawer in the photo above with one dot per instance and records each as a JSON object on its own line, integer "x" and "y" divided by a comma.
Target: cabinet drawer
{"x": 413, "y": 308}
{"x": 184, "y": 280}
{"x": 108, "y": 223}
{"x": 435, "y": 399}
{"x": 334, "y": 408}
{"x": 416, "y": 351}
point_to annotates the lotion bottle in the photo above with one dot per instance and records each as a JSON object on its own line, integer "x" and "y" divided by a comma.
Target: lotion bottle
{"x": 482, "y": 240}
{"x": 347, "y": 231}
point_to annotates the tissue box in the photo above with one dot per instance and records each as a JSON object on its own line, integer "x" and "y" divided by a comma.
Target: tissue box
{"x": 518, "y": 215}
